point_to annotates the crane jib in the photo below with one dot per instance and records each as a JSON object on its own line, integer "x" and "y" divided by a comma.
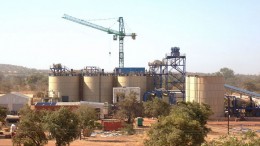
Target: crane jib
{"x": 121, "y": 33}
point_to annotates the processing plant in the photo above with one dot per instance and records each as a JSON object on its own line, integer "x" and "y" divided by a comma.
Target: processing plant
{"x": 165, "y": 79}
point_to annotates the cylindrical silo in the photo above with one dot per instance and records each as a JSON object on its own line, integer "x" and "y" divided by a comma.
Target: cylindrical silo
{"x": 106, "y": 84}
{"x": 91, "y": 88}
{"x": 207, "y": 89}
{"x": 149, "y": 83}
{"x": 212, "y": 92}
{"x": 133, "y": 81}
{"x": 65, "y": 86}
{"x": 98, "y": 88}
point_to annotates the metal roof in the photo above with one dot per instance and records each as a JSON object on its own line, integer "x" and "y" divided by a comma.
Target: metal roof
{"x": 67, "y": 103}
{"x": 16, "y": 94}
{"x": 45, "y": 104}
{"x": 242, "y": 91}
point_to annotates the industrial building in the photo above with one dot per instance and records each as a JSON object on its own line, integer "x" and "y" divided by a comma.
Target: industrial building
{"x": 101, "y": 108}
{"x": 165, "y": 79}
{"x": 120, "y": 93}
{"x": 14, "y": 101}
{"x": 95, "y": 86}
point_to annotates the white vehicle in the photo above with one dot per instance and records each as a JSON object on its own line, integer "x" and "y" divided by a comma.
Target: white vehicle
{"x": 12, "y": 119}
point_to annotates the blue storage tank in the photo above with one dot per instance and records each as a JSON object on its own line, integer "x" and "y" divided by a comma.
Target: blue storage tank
{"x": 127, "y": 70}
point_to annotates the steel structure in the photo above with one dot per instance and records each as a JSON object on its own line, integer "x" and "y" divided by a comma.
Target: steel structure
{"x": 175, "y": 70}
{"x": 242, "y": 91}
{"x": 121, "y": 33}
{"x": 156, "y": 71}
{"x": 160, "y": 93}
{"x": 59, "y": 70}
{"x": 170, "y": 73}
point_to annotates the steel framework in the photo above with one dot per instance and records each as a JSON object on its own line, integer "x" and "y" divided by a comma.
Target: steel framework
{"x": 170, "y": 73}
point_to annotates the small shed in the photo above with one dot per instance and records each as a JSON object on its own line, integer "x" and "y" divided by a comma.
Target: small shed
{"x": 14, "y": 101}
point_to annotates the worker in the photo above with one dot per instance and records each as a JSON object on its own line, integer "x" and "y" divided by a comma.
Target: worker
{"x": 12, "y": 129}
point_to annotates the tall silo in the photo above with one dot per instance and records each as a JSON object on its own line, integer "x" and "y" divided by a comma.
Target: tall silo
{"x": 98, "y": 88}
{"x": 149, "y": 83}
{"x": 91, "y": 88}
{"x": 133, "y": 81}
{"x": 207, "y": 89}
{"x": 64, "y": 87}
{"x": 106, "y": 84}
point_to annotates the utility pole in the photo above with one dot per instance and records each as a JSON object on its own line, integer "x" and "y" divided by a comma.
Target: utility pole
{"x": 228, "y": 111}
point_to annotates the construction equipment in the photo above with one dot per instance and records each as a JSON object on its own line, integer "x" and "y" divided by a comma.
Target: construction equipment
{"x": 121, "y": 33}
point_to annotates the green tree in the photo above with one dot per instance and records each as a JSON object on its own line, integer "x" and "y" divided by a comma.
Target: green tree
{"x": 228, "y": 74}
{"x": 30, "y": 129}
{"x": 87, "y": 118}
{"x": 156, "y": 107}
{"x": 63, "y": 125}
{"x": 3, "y": 113}
{"x": 185, "y": 126}
{"x": 129, "y": 108}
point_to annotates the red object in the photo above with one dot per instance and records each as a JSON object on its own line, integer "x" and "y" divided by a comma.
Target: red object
{"x": 111, "y": 124}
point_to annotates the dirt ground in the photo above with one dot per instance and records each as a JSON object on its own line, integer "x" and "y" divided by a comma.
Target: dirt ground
{"x": 114, "y": 139}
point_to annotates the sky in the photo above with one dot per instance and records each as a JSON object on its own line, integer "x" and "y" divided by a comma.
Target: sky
{"x": 213, "y": 34}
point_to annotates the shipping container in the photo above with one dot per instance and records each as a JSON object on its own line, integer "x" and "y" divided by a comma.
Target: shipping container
{"x": 128, "y": 70}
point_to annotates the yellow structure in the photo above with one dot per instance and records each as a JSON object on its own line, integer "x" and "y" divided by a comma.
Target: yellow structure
{"x": 98, "y": 88}
{"x": 207, "y": 89}
{"x": 133, "y": 81}
{"x": 64, "y": 86}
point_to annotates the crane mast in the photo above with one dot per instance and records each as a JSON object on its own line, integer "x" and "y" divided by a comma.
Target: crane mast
{"x": 121, "y": 33}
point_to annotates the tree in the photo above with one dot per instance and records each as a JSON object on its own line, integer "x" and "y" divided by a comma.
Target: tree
{"x": 156, "y": 107}
{"x": 226, "y": 72}
{"x": 3, "y": 113}
{"x": 87, "y": 118}
{"x": 228, "y": 75}
{"x": 63, "y": 125}
{"x": 129, "y": 108}
{"x": 30, "y": 129}
{"x": 186, "y": 125}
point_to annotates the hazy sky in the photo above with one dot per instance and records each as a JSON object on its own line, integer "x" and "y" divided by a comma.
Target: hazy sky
{"x": 212, "y": 33}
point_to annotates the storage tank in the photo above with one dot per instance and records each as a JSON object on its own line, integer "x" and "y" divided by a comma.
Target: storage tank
{"x": 133, "y": 81}
{"x": 106, "y": 89}
{"x": 98, "y": 88}
{"x": 149, "y": 83}
{"x": 65, "y": 86}
{"x": 91, "y": 88}
{"x": 207, "y": 89}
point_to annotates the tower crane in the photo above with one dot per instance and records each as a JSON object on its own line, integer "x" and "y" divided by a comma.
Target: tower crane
{"x": 120, "y": 33}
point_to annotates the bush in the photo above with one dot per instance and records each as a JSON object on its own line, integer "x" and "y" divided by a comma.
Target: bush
{"x": 128, "y": 129}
